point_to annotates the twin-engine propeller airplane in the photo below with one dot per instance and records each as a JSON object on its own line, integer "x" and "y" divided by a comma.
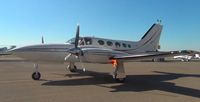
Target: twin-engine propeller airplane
{"x": 97, "y": 50}
{"x": 187, "y": 58}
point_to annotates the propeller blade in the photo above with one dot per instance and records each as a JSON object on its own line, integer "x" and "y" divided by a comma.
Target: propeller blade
{"x": 42, "y": 40}
{"x": 77, "y": 36}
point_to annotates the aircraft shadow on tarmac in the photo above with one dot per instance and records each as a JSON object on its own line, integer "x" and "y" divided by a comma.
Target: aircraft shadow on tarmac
{"x": 136, "y": 83}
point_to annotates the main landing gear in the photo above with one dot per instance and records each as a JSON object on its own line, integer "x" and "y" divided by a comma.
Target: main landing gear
{"x": 119, "y": 73}
{"x": 36, "y": 75}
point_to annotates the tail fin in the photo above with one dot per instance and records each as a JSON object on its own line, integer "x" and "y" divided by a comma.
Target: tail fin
{"x": 150, "y": 41}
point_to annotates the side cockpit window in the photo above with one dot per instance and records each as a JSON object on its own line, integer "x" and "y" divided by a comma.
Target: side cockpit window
{"x": 88, "y": 41}
{"x": 81, "y": 41}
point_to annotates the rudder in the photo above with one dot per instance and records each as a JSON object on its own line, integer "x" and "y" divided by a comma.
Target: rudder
{"x": 150, "y": 40}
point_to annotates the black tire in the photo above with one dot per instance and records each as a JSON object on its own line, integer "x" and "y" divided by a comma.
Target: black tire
{"x": 36, "y": 76}
{"x": 120, "y": 80}
{"x": 73, "y": 70}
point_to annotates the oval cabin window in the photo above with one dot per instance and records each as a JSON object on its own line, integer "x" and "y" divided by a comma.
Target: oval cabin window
{"x": 101, "y": 42}
{"x": 124, "y": 45}
{"x": 129, "y": 46}
{"x": 117, "y": 44}
{"x": 109, "y": 43}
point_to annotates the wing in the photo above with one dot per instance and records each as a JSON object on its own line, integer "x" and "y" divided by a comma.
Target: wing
{"x": 151, "y": 55}
{"x": 3, "y": 54}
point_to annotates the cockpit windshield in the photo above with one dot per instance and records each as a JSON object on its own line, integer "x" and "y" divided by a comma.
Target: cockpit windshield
{"x": 82, "y": 41}
{"x": 71, "y": 41}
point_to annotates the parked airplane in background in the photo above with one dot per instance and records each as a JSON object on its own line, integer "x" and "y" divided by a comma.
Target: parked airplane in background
{"x": 5, "y": 49}
{"x": 97, "y": 50}
{"x": 187, "y": 58}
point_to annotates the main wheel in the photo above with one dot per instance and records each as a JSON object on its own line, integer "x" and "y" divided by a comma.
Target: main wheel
{"x": 120, "y": 80}
{"x": 36, "y": 76}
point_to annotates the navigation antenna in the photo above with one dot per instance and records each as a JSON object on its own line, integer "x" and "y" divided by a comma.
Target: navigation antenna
{"x": 159, "y": 21}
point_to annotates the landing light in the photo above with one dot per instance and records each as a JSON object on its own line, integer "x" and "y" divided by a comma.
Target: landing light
{"x": 114, "y": 63}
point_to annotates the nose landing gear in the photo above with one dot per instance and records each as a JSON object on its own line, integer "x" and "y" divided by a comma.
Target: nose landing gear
{"x": 36, "y": 75}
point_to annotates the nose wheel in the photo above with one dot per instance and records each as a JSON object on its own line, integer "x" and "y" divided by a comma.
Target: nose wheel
{"x": 36, "y": 75}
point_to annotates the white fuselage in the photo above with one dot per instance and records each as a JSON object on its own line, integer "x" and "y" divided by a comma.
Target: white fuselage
{"x": 42, "y": 53}
{"x": 56, "y": 53}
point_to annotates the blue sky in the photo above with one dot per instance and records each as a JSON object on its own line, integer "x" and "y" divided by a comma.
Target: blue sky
{"x": 23, "y": 22}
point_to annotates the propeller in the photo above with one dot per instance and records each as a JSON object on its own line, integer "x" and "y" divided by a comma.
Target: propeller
{"x": 76, "y": 50}
{"x": 77, "y": 36}
{"x": 42, "y": 40}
